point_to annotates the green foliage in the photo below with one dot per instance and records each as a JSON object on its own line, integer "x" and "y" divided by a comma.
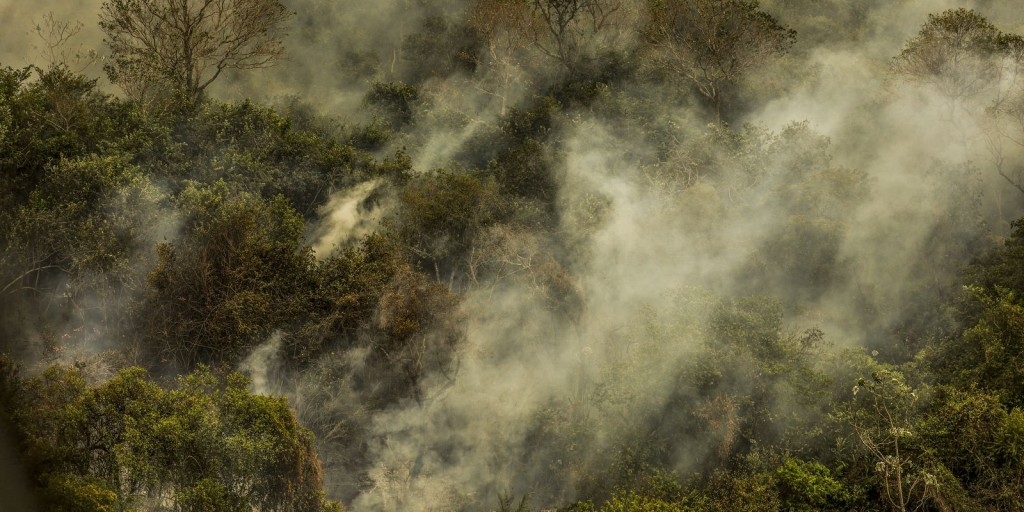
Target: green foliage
{"x": 965, "y": 430}
{"x": 87, "y": 216}
{"x": 953, "y": 52}
{"x": 237, "y": 272}
{"x": 535, "y": 123}
{"x": 59, "y": 115}
{"x": 209, "y": 444}
{"x": 348, "y": 287}
{"x": 988, "y": 348}
{"x": 750, "y": 324}
{"x": 265, "y": 152}
{"x": 750, "y": 484}
{"x": 1000, "y": 267}
{"x": 441, "y": 213}
{"x": 992, "y": 348}
{"x": 632, "y": 502}
{"x": 940, "y": 449}
{"x": 884, "y": 412}
{"x": 754, "y": 493}
{"x": 394, "y": 102}
{"x": 592, "y": 78}
{"x": 719, "y": 384}
{"x": 521, "y": 167}
{"x": 655, "y": 491}
{"x": 69, "y": 492}
{"x": 741, "y": 385}
{"x": 809, "y": 485}
{"x": 752, "y": 367}
{"x": 209, "y": 494}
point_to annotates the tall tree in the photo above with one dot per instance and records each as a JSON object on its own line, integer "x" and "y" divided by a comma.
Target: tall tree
{"x": 184, "y": 45}
{"x": 712, "y": 43}
{"x": 954, "y": 52}
{"x": 978, "y": 68}
{"x": 570, "y": 25}
{"x": 506, "y": 28}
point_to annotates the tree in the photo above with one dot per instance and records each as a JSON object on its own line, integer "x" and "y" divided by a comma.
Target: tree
{"x": 129, "y": 444}
{"x": 56, "y": 34}
{"x": 238, "y": 272}
{"x": 712, "y": 43}
{"x": 884, "y": 420}
{"x": 571, "y": 24}
{"x": 442, "y": 211}
{"x": 71, "y": 246}
{"x": 181, "y": 46}
{"x": 953, "y": 52}
{"x": 989, "y": 353}
{"x": 418, "y": 331}
{"x": 966, "y": 58}
{"x": 506, "y": 28}
{"x": 393, "y": 102}
{"x": 978, "y": 439}
{"x": 59, "y": 114}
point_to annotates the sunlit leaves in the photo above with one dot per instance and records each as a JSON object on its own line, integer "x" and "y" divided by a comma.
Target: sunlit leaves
{"x": 127, "y": 443}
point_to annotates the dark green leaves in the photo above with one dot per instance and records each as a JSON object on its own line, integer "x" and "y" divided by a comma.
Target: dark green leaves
{"x": 208, "y": 444}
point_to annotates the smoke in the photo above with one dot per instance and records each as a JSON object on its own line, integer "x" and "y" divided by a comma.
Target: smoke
{"x": 456, "y": 113}
{"x": 81, "y": 304}
{"x": 259, "y": 366}
{"x": 845, "y": 196}
{"x": 465, "y": 441}
{"x": 530, "y": 376}
{"x": 874, "y": 172}
{"x": 334, "y": 49}
{"x": 927, "y": 158}
{"x": 348, "y": 216}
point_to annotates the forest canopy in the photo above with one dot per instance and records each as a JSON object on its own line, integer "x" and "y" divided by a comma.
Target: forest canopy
{"x": 497, "y": 255}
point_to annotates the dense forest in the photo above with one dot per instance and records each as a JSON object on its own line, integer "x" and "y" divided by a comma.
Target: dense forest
{"x": 512, "y": 255}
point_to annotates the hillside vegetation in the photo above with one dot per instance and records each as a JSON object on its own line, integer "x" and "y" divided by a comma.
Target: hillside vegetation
{"x": 497, "y": 255}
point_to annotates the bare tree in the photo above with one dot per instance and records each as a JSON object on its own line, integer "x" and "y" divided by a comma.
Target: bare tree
{"x": 55, "y": 35}
{"x": 571, "y": 25}
{"x": 507, "y": 28}
{"x": 712, "y": 43}
{"x": 184, "y": 45}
